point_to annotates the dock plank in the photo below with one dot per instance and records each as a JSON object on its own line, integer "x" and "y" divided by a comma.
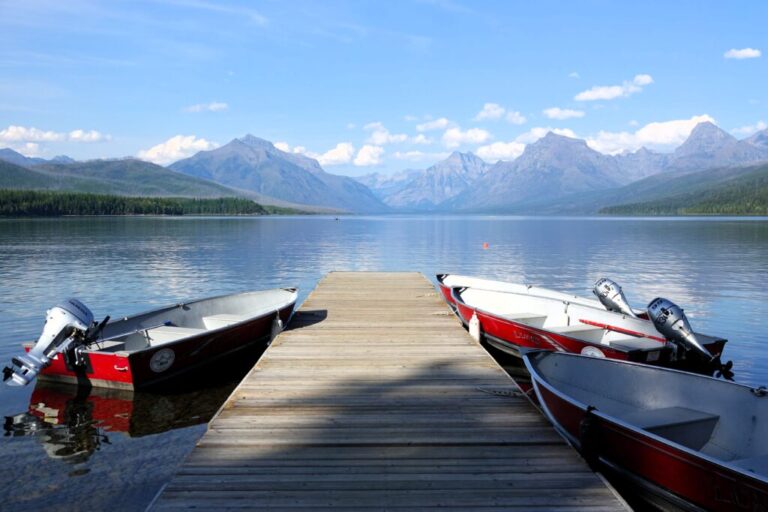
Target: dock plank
{"x": 376, "y": 398}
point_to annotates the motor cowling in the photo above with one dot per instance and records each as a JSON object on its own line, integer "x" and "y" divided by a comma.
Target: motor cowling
{"x": 670, "y": 320}
{"x": 612, "y": 297}
{"x": 64, "y": 323}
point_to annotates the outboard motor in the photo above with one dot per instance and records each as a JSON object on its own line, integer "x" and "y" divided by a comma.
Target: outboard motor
{"x": 669, "y": 320}
{"x": 612, "y": 297}
{"x": 66, "y": 323}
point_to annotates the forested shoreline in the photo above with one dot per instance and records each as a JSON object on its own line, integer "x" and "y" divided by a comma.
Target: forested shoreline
{"x": 32, "y": 203}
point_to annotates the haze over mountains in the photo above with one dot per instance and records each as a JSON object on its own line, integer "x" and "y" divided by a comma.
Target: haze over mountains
{"x": 555, "y": 174}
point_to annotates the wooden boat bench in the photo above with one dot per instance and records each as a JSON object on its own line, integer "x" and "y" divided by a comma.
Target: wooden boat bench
{"x": 688, "y": 427}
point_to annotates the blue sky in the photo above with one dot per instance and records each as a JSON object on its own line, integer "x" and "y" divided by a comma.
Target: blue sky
{"x": 374, "y": 86}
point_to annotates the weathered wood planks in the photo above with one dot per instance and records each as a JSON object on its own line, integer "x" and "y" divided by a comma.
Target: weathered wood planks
{"x": 377, "y": 399}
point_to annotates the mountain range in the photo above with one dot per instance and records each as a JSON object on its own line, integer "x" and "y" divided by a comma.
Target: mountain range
{"x": 559, "y": 174}
{"x": 254, "y": 164}
{"x": 554, "y": 175}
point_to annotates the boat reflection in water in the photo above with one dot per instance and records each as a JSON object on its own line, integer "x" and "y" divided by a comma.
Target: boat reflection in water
{"x": 72, "y": 423}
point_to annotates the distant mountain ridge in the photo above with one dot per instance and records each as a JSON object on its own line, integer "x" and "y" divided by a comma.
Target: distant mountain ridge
{"x": 254, "y": 164}
{"x": 127, "y": 177}
{"x": 425, "y": 190}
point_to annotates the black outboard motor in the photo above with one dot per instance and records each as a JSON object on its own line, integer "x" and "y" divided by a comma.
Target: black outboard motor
{"x": 670, "y": 320}
{"x": 612, "y": 297}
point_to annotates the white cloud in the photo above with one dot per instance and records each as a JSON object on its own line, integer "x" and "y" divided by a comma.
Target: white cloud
{"x": 87, "y": 136}
{"x": 574, "y": 74}
{"x": 515, "y": 117}
{"x": 500, "y": 151}
{"x": 743, "y": 53}
{"x": 562, "y": 113}
{"x": 610, "y": 92}
{"x": 419, "y": 156}
{"x": 438, "y": 124}
{"x": 176, "y": 148}
{"x": 496, "y": 111}
{"x": 421, "y": 139}
{"x": 23, "y": 134}
{"x": 351, "y": 126}
{"x": 380, "y": 135}
{"x": 15, "y": 134}
{"x": 665, "y": 135}
{"x": 341, "y": 154}
{"x": 282, "y": 146}
{"x": 215, "y": 106}
{"x": 30, "y": 149}
{"x": 369, "y": 155}
{"x": 410, "y": 118}
{"x": 748, "y": 130}
{"x": 490, "y": 111}
{"x": 455, "y": 137}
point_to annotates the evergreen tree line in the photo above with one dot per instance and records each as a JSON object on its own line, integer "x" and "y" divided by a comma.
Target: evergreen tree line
{"x": 31, "y": 203}
{"x": 744, "y": 196}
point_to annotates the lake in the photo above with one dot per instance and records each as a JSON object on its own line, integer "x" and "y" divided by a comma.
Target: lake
{"x": 111, "y": 450}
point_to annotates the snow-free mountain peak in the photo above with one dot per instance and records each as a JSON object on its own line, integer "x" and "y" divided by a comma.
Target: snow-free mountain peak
{"x": 254, "y": 164}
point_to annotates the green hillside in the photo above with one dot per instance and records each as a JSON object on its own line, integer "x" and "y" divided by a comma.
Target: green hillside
{"x": 129, "y": 177}
{"x": 30, "y": 203}
{"x": 744, "y": 194}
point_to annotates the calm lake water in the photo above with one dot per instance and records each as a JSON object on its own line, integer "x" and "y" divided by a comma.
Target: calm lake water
{"x": 115, "y": 450}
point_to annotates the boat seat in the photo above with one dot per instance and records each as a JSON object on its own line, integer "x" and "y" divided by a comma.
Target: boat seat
{"x": 681, "y": 425}
{"x": 168, "y": 333}
{"x": 581, "y": 332}
{"x": 526, "y": 318}
{"x": 757, "y": 464}
{"x": 635, "y": 343}
{"x": 219, "y": 321}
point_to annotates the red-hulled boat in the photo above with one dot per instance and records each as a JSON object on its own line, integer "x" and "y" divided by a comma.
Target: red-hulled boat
{"x": 695, "y": 442}
{"x": 143, "y": 350}
{"x": 509, "y": 321}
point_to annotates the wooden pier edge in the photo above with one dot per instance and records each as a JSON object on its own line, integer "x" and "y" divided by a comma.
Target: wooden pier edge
{"x": 376, "y": 398}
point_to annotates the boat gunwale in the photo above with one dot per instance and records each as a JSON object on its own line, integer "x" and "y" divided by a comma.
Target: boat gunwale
{"x": 537, "y": 379}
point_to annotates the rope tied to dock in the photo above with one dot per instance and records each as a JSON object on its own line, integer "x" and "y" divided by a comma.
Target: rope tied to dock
{"x": 503, "y": 392}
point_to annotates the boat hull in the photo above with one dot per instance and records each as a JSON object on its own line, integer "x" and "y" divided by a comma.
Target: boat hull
{"x": 677, "y": 476}
{"x": 146, "y": 368}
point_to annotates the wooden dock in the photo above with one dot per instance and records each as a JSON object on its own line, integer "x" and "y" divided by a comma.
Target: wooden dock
{"x": 376, "y": 398}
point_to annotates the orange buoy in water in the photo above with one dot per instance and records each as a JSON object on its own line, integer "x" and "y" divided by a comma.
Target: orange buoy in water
{"x": 486, "y": 245}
